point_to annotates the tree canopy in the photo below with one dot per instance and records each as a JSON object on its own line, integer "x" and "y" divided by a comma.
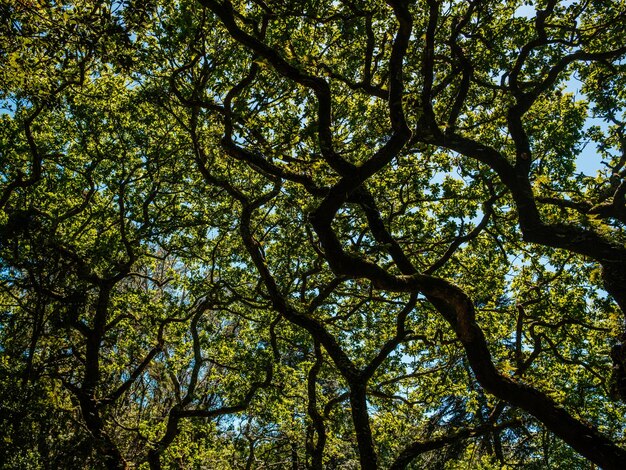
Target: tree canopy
{"x": 314, "y": 234}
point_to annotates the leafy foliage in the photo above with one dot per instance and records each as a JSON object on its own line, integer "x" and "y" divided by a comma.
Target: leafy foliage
{"x": 320, "y": 234}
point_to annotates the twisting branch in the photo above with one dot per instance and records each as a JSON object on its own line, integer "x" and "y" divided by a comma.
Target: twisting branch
{"x": 320, "y": 87}
{"x": 412, "y": 451}
{"x": 315, "y": 447}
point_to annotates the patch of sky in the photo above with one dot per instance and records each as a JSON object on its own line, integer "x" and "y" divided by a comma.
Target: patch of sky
{"x": 212, "y": 233}
{"x": 528, "y": 10}
{"x": 6, "y": 107}
{"x": 588, "y": 161}
{"x": 525, "y": 11}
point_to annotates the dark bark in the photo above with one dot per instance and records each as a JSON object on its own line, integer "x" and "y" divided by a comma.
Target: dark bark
{"x": 110, "y": 454}
{"x": 315, "y": 448}
{"x": 361, "y": 421}
{"x": 412, "y": 451}
{"x": 581, "y": 437}
{"x": 458, "y": 310}
{"x": 87, "y": 393}
{"x": 450, "y": 301}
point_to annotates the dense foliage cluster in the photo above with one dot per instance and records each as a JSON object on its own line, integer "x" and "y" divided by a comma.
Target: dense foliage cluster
{"x": 312, "y": 234}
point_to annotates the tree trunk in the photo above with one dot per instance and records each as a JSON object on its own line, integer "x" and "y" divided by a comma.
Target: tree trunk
{"x": 361, "y": 420}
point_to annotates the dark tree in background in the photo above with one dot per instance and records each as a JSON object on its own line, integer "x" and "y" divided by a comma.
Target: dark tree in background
{"x": 314, "y": 234}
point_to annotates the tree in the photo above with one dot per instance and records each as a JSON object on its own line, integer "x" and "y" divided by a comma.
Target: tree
{"x": 319, "y": 234}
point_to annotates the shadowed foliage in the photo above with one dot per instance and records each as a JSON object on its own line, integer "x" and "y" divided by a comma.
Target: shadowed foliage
{"x": 315, "y": 234}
